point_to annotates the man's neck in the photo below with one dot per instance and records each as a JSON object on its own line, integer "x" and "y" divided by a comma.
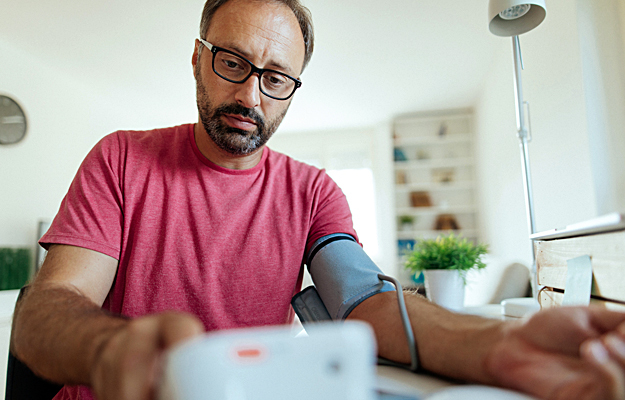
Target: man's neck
{"x": 215, "y": 154}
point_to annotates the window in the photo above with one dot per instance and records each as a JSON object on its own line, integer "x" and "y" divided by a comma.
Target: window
{"x": 347, "y": 157}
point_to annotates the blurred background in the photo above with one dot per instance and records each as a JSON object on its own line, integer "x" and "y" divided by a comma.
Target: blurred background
{"x": 82, "y": 69}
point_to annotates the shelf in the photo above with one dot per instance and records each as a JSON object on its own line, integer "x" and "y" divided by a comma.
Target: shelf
{"x": 435, "y": 163}
{"x": 442, "y": 166}
{"x": 435, "y": 187}
{"x": 433, "y": 140}
{"x": 462, "y": 209}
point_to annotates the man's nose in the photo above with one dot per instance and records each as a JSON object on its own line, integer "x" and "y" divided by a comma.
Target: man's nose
{"x": 248, "y": 93}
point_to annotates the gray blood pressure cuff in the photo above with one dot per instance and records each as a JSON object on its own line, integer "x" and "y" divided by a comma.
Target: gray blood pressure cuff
{"x": 343, "y": 274}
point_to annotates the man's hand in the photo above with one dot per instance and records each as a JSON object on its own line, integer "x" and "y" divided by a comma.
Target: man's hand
{"x": 128, "y": 365}
{"x": 564, "y": 353}
{"x": 61, "y": 332}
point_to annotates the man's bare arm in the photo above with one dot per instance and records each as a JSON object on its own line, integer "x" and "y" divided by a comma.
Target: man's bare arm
{"x": 449, "y": 344}
{"x": 560, "y": 353}
{"x": 62, "y": 334}
{"x": 59, "y": 327}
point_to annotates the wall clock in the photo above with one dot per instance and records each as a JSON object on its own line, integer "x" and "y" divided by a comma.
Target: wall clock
{"x": 12, "y": 121}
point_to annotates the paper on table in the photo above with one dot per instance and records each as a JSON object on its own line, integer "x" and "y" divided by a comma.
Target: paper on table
{"x": 578, "y": 282}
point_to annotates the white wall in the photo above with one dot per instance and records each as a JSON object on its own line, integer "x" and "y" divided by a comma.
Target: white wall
{"x": 66, "y": 115}
{"x": 559, "y": 153}
{"x": 603, "y": 70}
{"x": 63, "y": 116}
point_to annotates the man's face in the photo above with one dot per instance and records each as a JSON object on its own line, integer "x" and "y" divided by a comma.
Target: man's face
{"x": 238, "y": 117}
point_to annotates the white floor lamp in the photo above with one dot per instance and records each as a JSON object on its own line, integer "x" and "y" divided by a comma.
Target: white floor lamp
{"x": 512, "y": 18}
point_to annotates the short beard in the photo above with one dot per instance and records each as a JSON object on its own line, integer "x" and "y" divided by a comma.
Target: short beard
{"x": 235, "y": 141}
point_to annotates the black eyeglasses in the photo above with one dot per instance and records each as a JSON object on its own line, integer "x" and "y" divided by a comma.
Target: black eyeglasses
{"x": 236, "y": 69}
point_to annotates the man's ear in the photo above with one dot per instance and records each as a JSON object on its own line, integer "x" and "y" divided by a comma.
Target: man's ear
{"x": 195, "y": 55}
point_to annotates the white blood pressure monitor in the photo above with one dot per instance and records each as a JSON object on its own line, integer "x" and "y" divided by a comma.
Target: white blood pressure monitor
{"x": 334, "y": 361}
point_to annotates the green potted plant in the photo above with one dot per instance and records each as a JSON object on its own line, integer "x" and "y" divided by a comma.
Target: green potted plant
{"x": 406, "y": 222}
{"x": 445, "y": 262}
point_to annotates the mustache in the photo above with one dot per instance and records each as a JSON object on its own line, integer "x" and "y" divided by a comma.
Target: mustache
{"x": 234, "y": 108}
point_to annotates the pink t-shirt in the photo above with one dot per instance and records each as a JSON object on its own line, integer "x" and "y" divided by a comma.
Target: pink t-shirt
{"x": 225, "y": 245}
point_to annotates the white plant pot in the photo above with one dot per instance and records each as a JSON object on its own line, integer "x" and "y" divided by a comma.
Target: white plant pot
{"x": 445, "y": 287}
{"x": 406, "y": 226}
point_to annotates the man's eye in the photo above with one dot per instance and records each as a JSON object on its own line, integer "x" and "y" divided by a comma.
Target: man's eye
{"x": 275, "y": 80}
{"x": 232, "y": 64}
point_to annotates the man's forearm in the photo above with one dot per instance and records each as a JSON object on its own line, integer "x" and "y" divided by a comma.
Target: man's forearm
{"x": 454, "y": 345}
{"x": 59, "y": 333}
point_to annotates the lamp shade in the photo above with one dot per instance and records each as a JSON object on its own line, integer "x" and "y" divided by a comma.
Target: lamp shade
{"x": 515, "y": 17}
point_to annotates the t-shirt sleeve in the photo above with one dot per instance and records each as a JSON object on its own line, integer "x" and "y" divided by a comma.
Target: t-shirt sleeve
{"x": 331, "y": 213}
{"x": 91, "y": 214}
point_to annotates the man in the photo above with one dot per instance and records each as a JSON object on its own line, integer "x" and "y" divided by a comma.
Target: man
{"x": 205, "y": 220}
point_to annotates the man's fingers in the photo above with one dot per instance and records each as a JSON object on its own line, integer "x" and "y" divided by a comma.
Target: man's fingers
{"x": 176, "y": 327}
{"x": 621, "y": 329}
{"x": 607, "y": 320}
{"x": 156, "y": 333}
{"x": 141, "y": 354}
{"x": 128, "y": 368}
{"x": 615, "y": 343}
{"x": 613, "y": 371}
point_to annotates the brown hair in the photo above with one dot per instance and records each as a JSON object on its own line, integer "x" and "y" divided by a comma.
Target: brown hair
{"x": 303, "y": 15}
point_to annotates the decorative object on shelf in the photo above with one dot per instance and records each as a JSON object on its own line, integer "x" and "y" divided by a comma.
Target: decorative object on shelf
{"x": 406, "y": 222}
{"x": 398, "y": 154}
{"x": 12, "y": 121}
{"x": 443, "y": 175}
{"x": 418, "y": 278}
{"x": 442, "y": 130}
{"x": 15, "y": 266}
{"x": 422, "y": 154}
{"x": 405, "y": 246}
{"x": 445, "y": 262}
{"x": 400, "y": 178}
{"x": 512, "y": 18}
{"x": 420, "y": 199}
{"x": 418, "y": 281}
{"x": 446, "y": 222}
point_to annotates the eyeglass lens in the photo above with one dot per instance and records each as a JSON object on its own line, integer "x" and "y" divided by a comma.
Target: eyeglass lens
{"x": 237, "y": 70}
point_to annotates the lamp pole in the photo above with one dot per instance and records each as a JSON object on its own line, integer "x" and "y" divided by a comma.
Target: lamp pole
{"x": 523, "y": 133}
{"x": 512, "y": 18}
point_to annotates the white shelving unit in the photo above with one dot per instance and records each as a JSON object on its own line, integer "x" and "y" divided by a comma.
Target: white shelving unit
{"x": 434, "y": 158}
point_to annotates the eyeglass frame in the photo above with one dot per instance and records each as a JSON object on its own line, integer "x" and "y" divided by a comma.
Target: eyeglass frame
{"x": 254, "y": 69}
